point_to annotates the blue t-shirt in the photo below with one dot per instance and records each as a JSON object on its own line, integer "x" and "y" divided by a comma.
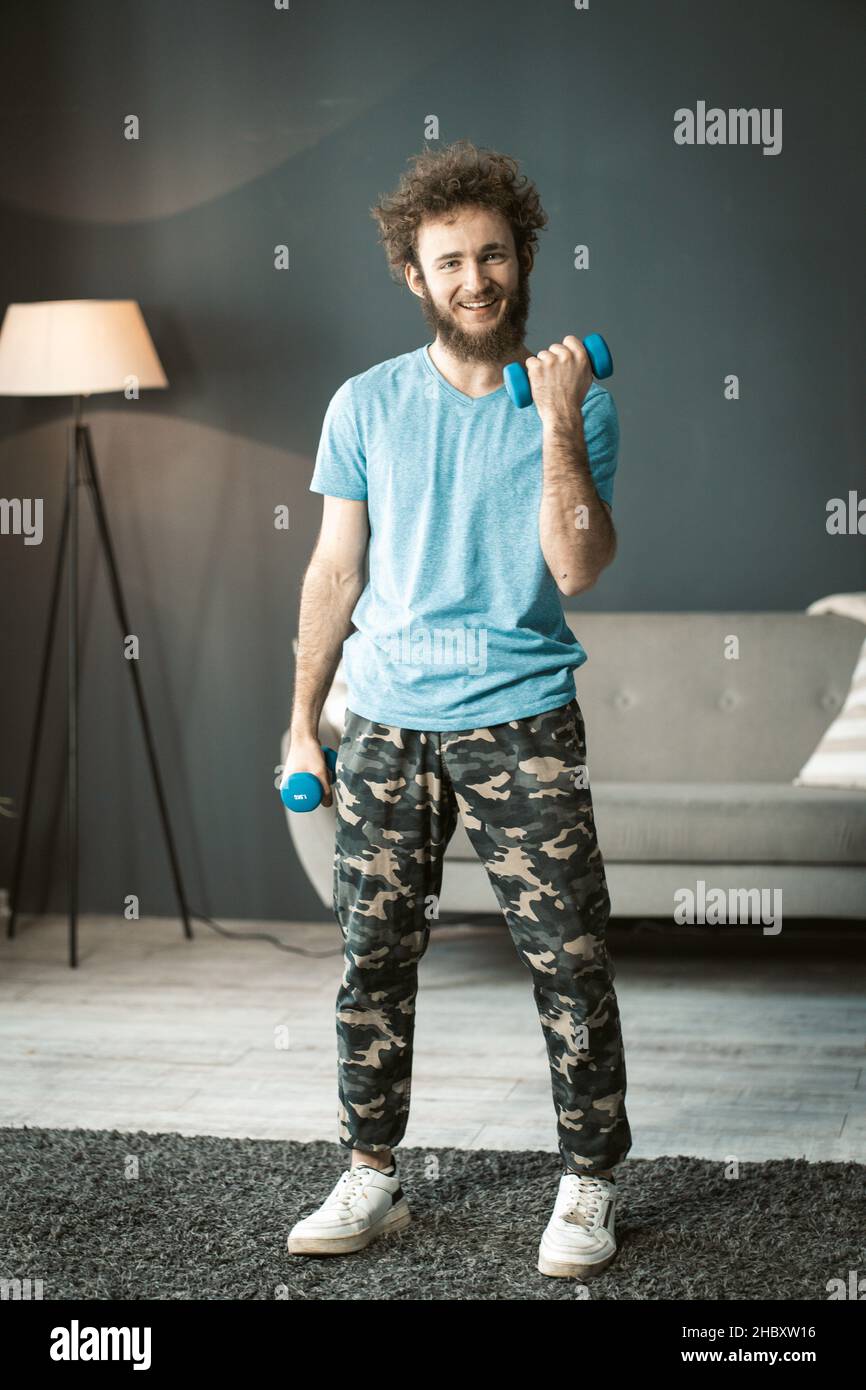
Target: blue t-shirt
{"x": 460, "y": 625}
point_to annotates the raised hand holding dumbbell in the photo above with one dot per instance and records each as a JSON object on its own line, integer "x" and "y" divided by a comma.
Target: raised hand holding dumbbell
{"x": 516, "y": 378}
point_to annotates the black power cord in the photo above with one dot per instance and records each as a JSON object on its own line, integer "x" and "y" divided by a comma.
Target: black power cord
{"x": 260, "y": 936}
{"x": 471, "y": 919}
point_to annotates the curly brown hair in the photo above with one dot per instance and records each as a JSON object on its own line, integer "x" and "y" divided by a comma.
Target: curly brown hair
{"x": 458, "y": 175}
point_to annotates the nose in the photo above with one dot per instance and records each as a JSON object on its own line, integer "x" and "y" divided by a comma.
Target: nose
{"x": 476, "y": 285}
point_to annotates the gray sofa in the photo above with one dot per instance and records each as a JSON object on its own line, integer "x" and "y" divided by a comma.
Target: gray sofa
{"x": 691, "y": 758}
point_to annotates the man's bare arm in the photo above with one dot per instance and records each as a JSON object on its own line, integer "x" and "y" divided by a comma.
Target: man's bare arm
{"x": 333, "y": 583}
{"x": 575, "y": 555}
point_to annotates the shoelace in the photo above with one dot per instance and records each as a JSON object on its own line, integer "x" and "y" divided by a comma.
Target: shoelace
{"x": 348, "y": 1187}
{"x": 350, "y": 1184}
{"x": 585, "y": 1198}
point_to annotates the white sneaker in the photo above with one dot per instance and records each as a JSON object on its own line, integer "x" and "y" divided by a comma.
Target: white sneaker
{"x": 579, "y": 1237}
{"x": 365, "y": 1203}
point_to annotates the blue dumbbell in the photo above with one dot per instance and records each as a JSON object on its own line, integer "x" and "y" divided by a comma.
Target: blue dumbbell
{"x": 302, "y": 791}
{"x": 517, "y": 381}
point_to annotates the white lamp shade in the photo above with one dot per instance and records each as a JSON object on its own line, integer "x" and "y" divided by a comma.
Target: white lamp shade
{"x": 76, "y": 347}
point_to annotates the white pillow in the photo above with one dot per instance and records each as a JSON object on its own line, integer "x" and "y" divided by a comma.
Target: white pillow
{"x": 849, "y": 605}
{"x": 840, "y": 758}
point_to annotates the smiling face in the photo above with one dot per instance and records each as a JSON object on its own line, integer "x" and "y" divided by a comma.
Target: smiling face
{"x": 473, "y": 290}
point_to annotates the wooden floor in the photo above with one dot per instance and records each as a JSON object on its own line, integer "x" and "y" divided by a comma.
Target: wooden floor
{"x": 752, "y": 1048}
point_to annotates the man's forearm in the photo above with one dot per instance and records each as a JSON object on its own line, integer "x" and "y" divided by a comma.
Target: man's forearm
{"x": 327, "y": 602}
{"x": 576, "y": 533}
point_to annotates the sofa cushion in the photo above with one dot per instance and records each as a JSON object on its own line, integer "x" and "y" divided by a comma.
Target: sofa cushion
{"x": 662, "y": 702}
{"x": 723, "y": 822}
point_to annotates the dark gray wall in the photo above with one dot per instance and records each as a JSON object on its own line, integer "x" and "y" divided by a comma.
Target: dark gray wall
{"x": 261, "y": 127}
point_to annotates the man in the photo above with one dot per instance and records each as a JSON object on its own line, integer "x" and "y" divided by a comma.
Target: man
{"x": 461, "y": 697}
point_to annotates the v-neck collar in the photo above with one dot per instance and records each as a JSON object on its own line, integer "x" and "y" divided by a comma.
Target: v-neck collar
{"x": 474, "y": 401}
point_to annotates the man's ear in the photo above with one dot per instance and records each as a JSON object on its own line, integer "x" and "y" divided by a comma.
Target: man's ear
{"x": 411, "y": 272}
{"x": 527, "y": 258}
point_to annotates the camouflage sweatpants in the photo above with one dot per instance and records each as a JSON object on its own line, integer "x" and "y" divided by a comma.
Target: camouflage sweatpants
{"x": 523, "y": 796}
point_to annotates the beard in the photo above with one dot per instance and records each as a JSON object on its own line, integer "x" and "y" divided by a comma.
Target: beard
{"x": 497, "y": 343}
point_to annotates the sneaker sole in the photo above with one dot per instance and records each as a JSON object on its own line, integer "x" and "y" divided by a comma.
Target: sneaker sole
{"x": 568, "y": 1269}
{"x": 395, "y": 1220}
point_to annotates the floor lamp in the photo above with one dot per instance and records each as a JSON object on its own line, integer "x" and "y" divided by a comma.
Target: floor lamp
{"x": 80, "y": 347}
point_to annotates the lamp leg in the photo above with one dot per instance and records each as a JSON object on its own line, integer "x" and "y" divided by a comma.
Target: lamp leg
{"x": 33, "y": 758}
{"x": 120, "y": 607}
{"x": 72, "y": 699}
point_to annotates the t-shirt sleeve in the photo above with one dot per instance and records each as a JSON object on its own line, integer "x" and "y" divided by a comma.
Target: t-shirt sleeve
{"x": 601, "y": 432}
{"x": 341, "y": 465}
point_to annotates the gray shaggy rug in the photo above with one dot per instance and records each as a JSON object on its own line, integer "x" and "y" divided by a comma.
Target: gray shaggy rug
{"x": 110, "y": 1215}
